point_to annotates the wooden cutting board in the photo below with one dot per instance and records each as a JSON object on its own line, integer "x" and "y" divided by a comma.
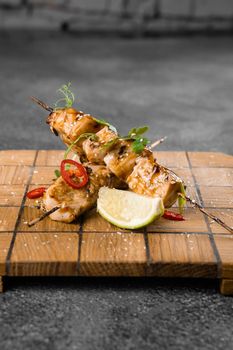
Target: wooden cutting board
{"x": 196, "y": 247}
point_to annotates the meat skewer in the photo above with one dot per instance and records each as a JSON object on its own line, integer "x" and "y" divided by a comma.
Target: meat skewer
{"x": 64, "y": 203}
{"x": 141, "y": 172}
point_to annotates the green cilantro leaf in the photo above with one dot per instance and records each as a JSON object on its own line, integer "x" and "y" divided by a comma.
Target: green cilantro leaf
{"x": 137, "y": 131}
{"x": 139, "y": 144}
{"x": 135, "y": 134}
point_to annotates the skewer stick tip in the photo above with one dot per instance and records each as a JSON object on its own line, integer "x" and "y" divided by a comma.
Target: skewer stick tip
{"x": 43, "y": 216}
{"x": 42, "y": 104}
{"x": 156, "y": 143}
{"x": 211, "y": 216}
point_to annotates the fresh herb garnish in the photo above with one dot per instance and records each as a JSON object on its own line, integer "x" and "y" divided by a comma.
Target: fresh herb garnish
{"x": 139, "y": 142}
{"x": 68, "y": 97}
{"x": 110, "y": 143}
{"x": 103, "y": 122}
{"x": 86, "y": 135}
{"x": 57, "y": 173}
{"x": 135, "y": 134}
{"x": 181, "y": 199}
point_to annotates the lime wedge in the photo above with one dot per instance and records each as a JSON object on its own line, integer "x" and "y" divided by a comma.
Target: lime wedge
{"x": 127, "y": 209}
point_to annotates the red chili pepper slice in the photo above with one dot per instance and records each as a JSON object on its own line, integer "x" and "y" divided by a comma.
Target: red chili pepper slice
{"x": 77, "y": 177}
{"x": 170, "y": 215}
{"x": 36, "y": 193}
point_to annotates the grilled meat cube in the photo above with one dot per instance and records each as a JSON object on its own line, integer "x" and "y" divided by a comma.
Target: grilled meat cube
{"x": 95, "y": 150}
{"x": 75, "y": 202}
{"x": 150, "y": 178}
{"x": 121, "y": 159}
{"x": 69, "y": 124}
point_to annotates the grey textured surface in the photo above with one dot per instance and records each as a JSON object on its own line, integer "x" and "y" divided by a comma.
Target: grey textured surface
{"x": 182, "y": 88}
{"x": 89, "y": 314}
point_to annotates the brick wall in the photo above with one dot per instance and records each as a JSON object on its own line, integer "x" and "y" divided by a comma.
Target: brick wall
{"x": 139, "y": 16}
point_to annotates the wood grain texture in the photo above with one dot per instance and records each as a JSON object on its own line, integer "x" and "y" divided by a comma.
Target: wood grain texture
{"x": 17, "y": 157}
{"x": 14, "y": 175}
{"x": 181, "y": 256}
{"x": 217, "y": 196}
{"x": 214, "y": 176}
{"x": 210, "y": 160}
{"x": 91, "y": 246}
{"x": 113, "y": 254}
{"x": 224, "y": 245}
{"x": 194, "y": 222}
{"x": 45, "y": 254}
{"x": 11, "y": 195}
{"x": 43, "y": 175}
{"x": 172, "y": 159}
{"x": 8, "y": 217}
{"x": 50, "y": 157}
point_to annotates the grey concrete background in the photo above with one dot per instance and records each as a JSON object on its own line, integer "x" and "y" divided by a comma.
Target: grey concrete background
{"x": 134, "y": 17}
{"x": 181, "y": 88}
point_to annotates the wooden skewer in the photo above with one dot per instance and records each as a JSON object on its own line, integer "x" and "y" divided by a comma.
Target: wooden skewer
{"x": 42, "y": 104}
{"x": 156, "y": 143}
{"x": 213, "y": 217}
{"x": 42, "y": 217}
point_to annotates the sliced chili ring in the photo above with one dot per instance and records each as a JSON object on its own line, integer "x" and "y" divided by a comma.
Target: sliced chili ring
{"x": 76, "y": 178}
{"x": 170, "y": 215}
{"x": 36, "y": 193}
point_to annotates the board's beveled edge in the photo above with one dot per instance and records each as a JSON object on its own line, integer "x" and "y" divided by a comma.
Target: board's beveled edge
{"x": 167, "y": 249}
{"x": 226, "y": 286}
